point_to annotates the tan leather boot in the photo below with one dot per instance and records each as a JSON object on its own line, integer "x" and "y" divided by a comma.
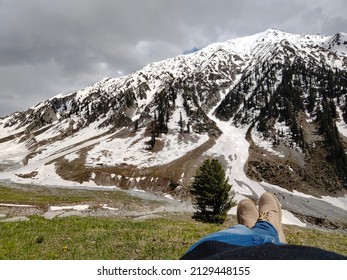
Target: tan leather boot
{"x": 270, "y": 211}
{"x": 247, "y": 213}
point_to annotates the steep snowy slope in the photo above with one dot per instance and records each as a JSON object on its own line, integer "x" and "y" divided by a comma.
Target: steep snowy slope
{"x": 255, "y": 103}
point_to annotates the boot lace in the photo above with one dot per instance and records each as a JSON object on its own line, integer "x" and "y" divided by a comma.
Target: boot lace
{"x": 263, "y": 216}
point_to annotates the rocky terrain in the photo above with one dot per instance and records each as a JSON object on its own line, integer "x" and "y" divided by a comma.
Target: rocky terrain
{"x": 271, "y": 107}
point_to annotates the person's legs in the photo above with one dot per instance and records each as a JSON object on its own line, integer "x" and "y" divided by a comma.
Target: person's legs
{"x": 270, "y": 211}
{"x": 262, "y": 232}
{"x": 266, "y": 228}
{"x": 240, "y": 235}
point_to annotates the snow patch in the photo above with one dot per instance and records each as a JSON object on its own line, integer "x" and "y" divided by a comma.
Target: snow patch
{"x": 105, "y": 206}
{"x": 73, "y": 207}
{"x": 71, "y": 157}
{"x": 341, "y": 125}
{"x": 16, "y": 205}
{"x": 264, "y": 143}
{"x": 134, "y": 150}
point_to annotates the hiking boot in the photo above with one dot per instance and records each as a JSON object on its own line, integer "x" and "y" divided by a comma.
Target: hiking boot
{"x": 270, "y": 211}
{"x": 247, "y": 213}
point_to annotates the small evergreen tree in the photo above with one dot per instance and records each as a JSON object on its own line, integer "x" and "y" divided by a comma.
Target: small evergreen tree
{"x": 211, "y": 192}
{"x": 136, "y": 125}
{"x": 181, "y": 123}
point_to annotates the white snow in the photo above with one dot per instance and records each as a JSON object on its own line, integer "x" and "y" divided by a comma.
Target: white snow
{"x": 232, "y": 144}
{"x": 13, "y": 151}
{"x": 134, "y": 150}
{"x": 106, "y": 149}
{"x": 289, "y": 219}
{"x": 169, "y": 196}
{"x": 105, "y": 206}
{"x": 138, "y": 190}
{"x": 338, "y": 202}
{"x": 234, "y": 147}
{"x": 341, "y": 125}
{"x": 70, "y": 207}
{"x": 71, "y": 157}
{"x": 264, "y": 143}
{"x": 16, "y": 205}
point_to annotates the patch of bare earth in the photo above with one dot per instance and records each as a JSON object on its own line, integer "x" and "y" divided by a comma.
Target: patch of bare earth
{"x": 172, "y": 178}
{"x": 308, "y": 172}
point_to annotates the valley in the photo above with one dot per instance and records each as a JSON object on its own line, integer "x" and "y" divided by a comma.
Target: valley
{"x": 270, "y": 107}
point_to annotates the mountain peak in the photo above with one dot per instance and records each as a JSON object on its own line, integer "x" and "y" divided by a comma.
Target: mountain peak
{"x": 171, "y": 114}
{"x": 338, "y": 43}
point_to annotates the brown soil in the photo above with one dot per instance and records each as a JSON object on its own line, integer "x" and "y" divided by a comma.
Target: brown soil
{"x": 307, "y": 172}
{"x": 173, "y": 178}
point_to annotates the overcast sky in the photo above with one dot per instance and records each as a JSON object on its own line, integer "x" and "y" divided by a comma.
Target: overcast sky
{"x": 49, "y": 47}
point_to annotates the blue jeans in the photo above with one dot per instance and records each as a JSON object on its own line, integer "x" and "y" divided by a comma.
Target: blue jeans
{"x": 240, "y": 235}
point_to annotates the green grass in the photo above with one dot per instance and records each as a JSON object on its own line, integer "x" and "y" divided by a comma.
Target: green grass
{"x": 334, "y": 241}
{"x": 98, "y": 238}
{"x": 119, "y": 238}
{"x": 82, "y": 238}
{"x": 43, "y": 196}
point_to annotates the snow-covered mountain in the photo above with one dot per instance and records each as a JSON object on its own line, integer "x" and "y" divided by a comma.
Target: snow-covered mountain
{"x": 272, "y": 107}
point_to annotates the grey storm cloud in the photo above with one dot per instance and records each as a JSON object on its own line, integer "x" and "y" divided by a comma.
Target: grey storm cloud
{"x": 49, "y": 47}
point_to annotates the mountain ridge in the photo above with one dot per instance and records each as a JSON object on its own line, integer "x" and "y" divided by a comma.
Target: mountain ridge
{"x": 150, "y": 129}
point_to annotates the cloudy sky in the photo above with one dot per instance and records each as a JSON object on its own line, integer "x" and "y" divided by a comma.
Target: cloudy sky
{"x": 49, "y": 47}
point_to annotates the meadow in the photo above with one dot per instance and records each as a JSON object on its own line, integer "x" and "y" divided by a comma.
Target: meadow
{"x": 165, "y": 236}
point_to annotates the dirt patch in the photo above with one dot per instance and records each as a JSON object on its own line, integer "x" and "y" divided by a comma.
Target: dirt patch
{"x": 172, "y": 178}
{"x": 307, "y": 172}
{"x": 151, "y": 207}
{"x": 16, "y": 211}
{"x": 322, "y": 223}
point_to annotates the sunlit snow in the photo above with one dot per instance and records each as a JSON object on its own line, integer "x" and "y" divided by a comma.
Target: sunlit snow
{"x": 102, "y": 148}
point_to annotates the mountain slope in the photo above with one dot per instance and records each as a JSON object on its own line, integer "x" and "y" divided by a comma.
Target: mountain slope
{"x": 271, "y": 105}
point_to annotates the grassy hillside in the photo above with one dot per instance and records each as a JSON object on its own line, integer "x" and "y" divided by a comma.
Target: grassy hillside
{"x": 119, "y": 238}
{"x": 166, "y": 236}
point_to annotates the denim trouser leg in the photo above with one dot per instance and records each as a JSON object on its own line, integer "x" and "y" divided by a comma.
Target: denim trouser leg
{"x": 240, "y": 235}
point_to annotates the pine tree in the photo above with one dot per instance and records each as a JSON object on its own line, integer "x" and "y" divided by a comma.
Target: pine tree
{"x": 181, "y": 123}
{"x": 211, "y": 193}
{"x": 344, "y": 111}
{"x": 262, "y": 126}
{"x": 136, "y": 125}
{"x": 153, "y": 140}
